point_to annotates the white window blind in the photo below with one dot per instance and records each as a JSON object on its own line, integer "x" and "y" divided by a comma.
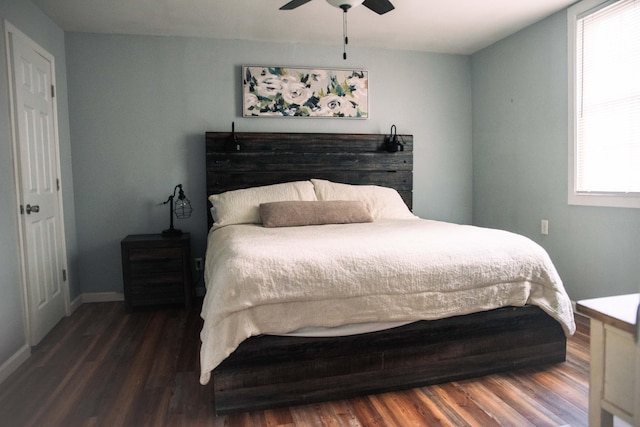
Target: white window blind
{"x": 607, "y": 146}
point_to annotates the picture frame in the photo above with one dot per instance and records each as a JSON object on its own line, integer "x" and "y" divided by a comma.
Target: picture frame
{"x": 305, "y": 92}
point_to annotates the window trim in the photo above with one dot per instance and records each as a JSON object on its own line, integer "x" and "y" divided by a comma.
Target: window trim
{"x": 622, "y": 200}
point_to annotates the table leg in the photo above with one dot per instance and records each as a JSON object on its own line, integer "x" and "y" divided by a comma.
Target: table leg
{"x": 598, "y": 417}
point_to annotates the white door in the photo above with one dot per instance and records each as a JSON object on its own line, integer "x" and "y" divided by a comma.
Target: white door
{"x": 37, "y": 170}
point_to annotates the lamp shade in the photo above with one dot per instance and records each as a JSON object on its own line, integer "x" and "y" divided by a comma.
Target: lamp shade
{"x": 182, "y": 206}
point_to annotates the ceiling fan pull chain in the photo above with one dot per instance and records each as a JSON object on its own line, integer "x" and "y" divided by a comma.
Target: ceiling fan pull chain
{"x": 344, "y": 34}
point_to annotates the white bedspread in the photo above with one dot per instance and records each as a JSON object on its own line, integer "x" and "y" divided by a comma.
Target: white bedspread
{"x": 276, "y": 280}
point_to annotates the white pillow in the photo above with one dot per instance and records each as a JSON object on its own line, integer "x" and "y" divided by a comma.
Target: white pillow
{"x": 382, "y": 202}
{"x": 242, "y": 206}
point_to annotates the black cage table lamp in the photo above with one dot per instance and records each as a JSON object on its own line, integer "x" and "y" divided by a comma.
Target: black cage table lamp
{"x": 181, "y": 208}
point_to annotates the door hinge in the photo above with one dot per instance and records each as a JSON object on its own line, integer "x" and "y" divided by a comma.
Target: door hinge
{"x": 58, "y": 183}
{"x": 64, "y": 275}
{"x": 53, "y": 91}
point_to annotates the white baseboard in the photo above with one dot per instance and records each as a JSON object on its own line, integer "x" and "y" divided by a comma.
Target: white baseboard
{"x": 102, "y": 297}
{"x": 14, "y": 362}
{"x": 73, "y": 305}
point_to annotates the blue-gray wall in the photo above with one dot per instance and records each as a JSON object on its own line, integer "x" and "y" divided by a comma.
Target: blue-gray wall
{"x": 31, "y": 21}
{"x": 520, "y": 164}
{"x": 139, "y": 108}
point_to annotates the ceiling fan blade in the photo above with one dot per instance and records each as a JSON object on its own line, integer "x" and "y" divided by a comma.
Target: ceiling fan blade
{"x": 378, "y": 6}
{"x": 293, "y": 4}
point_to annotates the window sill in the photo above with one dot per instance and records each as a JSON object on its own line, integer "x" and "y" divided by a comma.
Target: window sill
{"x": 605, "y": 200}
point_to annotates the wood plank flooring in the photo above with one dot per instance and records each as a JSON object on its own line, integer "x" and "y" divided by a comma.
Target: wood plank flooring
{"x": 103, "y": 367}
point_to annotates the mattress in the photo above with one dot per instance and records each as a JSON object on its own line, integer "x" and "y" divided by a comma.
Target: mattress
{"x": 279, "y": 280}
{"x": 342, "y": 330}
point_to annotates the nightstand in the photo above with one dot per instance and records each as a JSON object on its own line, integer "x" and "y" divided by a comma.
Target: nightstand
{"x": 156, "y": 270}
{"x": 614, "y": 368}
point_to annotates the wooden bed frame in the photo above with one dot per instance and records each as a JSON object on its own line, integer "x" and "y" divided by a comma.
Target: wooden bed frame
{"x": 269, "y": 371}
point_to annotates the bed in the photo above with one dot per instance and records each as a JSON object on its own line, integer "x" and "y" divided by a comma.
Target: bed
{"x": 412, "y": 317}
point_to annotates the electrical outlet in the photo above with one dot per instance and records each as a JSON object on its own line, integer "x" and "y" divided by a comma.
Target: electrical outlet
{"x": 198, "y": 262}
{"x": 544, "y": 227}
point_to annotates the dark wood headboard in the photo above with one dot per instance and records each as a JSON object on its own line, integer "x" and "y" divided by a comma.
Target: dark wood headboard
{"x": 255, "y": 159}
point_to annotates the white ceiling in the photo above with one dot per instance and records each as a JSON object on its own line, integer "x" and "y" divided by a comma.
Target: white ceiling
{"x": 447, "y": 26}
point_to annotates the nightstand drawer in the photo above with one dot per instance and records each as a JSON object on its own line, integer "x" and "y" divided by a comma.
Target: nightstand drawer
{"x": 144, "y": 261}
{"x": 154, "y": 254}
{"x": 157, "y": 288}
{"x": 150, "y": 282}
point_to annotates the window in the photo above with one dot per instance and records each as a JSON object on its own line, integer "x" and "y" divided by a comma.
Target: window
{"x": 604, "y": 86}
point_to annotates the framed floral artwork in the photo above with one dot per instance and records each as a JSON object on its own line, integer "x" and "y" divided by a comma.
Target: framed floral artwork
{"x": 304, "y": 92}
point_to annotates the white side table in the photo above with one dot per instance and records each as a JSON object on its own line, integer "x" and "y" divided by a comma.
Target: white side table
{"x": 614, "y": 378}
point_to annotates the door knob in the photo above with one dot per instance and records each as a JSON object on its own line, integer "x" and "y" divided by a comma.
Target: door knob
{"x": 34, "y": 208}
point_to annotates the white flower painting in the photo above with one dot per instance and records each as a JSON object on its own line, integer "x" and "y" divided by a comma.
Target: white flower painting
{"x": 304, "y": 92}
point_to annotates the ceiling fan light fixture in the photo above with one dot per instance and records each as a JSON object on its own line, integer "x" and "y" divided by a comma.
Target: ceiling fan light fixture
{"x": 342, "y": 4}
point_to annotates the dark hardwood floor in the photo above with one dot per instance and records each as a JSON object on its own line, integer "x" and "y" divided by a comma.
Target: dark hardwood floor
{"x": 103, "y": 367}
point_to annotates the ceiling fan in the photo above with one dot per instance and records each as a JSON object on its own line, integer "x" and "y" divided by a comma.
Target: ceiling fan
{"x": 378, "y": 6}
